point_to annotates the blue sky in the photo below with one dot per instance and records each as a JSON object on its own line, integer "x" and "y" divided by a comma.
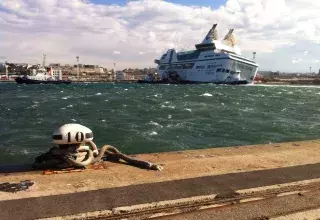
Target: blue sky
{"x": 211, "y": 3}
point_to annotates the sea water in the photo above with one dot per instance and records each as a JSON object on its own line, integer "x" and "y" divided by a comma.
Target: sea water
{"x": 145, "y": 118}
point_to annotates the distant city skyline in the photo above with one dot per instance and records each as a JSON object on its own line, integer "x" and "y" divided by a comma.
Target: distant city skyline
{"x": 285, "y": 34}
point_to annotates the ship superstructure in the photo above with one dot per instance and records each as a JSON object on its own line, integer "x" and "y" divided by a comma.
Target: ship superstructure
{"x": 213, "y": 61}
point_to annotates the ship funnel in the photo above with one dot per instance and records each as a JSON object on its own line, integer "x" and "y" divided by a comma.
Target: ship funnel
{"x": 212, "y": 35}
{"x": 230, "y": 39}
{"x": 214, "y": 32}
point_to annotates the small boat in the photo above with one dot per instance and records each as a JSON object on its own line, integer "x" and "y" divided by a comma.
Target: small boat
{"x": 26, "y": 80}
{"x": 41, "y": 76}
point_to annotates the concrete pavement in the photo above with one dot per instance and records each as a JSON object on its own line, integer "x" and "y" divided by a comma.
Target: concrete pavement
{"x": 192, "y": 180}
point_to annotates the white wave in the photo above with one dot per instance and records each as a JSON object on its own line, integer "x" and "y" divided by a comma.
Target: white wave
{"x": 206, "y": 94}
{"x": 169, "y": 116}
{"x": 178, "y": 125}
{"x": 124, "y": 105}
{"x": 103, "y": 120}
{"x": 166, "y": 102}
{"x": 106, "y": 100}
{"x": 188, "y": 109}
{"x": 63, "y": 108}
{"x": 153, "y": 133}
{"x": 69, "y": 106}
{"x": 33, "y": 106}
{"x": 64, "y": 98}
{"x": 222, "y": 103}
{"x": 155, "y": 123}
{"x": 169, "y": 106}
{"x": 98, "y": 93}
{"x": 247, "y": 109}
{"x": 61, "y": 91}
{"x": 73, "y": 119}
{"x": 289, "y": 86}
{"x": 25, "y": 152}
{"x": 125, "y": 89}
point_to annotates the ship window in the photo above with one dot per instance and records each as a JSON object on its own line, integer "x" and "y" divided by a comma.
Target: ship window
{"x": 163, "y": 67}
{"x": 227, "y": 71}
{"x": 174, "y": 66}
{"x": 189, "y": 55}
{"x": 218, "y": 70}
{"x": 210, "y": 66}
{"x": 200, "y": 67}
{"x": 163, "y": 56}
{"x": 232, "y": 72}
{"x": 179, "y": 67}
{"x": 223, "y": 70}
{"x": 188, "y": 66}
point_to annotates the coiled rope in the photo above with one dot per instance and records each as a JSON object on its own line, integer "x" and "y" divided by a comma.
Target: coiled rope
{"x": 66, "y": 156}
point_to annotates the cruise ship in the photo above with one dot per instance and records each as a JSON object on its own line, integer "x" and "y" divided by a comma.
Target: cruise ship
{"x": 213, "y": 61}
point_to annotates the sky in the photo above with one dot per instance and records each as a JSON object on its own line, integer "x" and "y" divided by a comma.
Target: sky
{"x": 284, "y": 33}
{"x": 204, "y": 3}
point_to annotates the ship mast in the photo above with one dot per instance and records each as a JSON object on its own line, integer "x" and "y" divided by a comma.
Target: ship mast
{"x": 254, "y": 55}
{"x": 7, "y": 73}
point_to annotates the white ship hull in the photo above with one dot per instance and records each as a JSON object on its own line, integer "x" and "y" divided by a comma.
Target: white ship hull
{"x": 214, "y": 73}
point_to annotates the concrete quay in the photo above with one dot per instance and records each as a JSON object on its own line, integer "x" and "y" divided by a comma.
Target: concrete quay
{"x": 272, "y": 181}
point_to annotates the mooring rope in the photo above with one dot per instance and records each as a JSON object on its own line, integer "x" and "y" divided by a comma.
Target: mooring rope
{"x": 82, "y": 156}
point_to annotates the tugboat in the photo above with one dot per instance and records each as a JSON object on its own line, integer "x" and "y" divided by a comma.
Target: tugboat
{"x": 214, "y": 61}
{"x": 41, "y": 76}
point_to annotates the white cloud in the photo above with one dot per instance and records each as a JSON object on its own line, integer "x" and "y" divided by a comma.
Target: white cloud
{"x": 295, "y": 61}
{"x": 97, "y": 33}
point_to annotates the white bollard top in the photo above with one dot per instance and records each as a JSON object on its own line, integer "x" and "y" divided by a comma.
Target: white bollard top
{"x": 72, "y": 134}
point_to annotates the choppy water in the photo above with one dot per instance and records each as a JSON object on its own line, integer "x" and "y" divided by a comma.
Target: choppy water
{"x": 155, "y": 118}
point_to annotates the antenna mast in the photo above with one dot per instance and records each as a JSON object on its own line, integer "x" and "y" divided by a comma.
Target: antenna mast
{"x": 44, "y": 60}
